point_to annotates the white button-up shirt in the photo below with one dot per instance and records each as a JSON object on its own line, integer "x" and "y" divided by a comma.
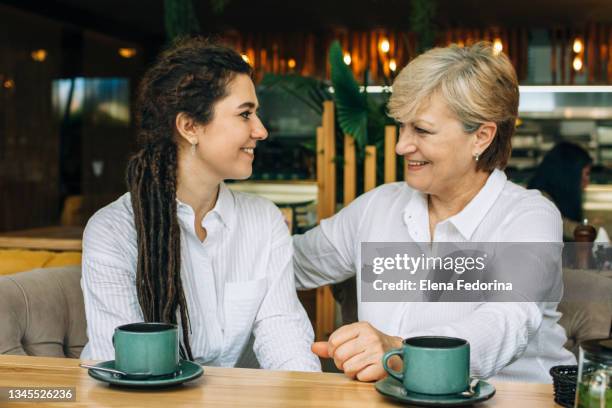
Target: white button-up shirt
{"x": 238, "y": 283}
{"x": 513, "y": 341}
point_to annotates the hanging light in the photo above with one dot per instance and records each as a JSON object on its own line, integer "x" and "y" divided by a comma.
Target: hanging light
{"x": 578, "y": 46}
{"x": 385, "y": 46}
{"x": 8, "y": 84}
{"x": 127, "y": 52}
{"x": 577, "y": 63}
{"x": 291, "y": 63}
{"x": 245, "y": 58}
{"x": 392, "y": 65}
{"x": 39, "y": 55}
{"x": 498, "y": 46}
{"x": 347, "y": 58}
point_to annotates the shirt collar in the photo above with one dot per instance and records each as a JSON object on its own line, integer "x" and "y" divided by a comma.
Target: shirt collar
{"x": 224, "y": 207}
{"x": 472, "y": 215}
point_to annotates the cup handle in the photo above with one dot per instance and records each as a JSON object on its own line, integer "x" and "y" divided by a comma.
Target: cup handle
{"x": 395, "y": 374}
{"x": 113, "y": 340}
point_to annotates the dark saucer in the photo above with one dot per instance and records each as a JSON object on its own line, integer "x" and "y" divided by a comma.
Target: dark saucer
{"x": 394, "y": 389}
{"x": 187, "y": 371}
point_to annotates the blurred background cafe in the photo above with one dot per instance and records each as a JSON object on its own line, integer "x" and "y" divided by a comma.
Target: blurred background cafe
{"x": 69, "y": 70}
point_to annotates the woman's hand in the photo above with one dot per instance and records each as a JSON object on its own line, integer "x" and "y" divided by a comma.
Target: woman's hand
{"x": 357, "y": 349}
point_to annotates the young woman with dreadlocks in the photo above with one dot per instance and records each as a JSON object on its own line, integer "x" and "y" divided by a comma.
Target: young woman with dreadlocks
{"x": 180, "y": 247}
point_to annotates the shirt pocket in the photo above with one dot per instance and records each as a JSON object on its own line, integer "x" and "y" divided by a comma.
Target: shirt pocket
{"x": 242, "y": 302}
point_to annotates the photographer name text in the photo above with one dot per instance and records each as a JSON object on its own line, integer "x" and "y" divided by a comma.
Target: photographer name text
{"x": 428, "y": 285}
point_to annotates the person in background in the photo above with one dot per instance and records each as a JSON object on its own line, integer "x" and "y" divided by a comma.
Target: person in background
{"x": 562, "y": 176}
{"x": 182, "y": 248}
{"x": 457, "y": 109}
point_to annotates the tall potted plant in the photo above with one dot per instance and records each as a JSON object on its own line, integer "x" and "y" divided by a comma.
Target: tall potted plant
{"x": 356, "y": 113}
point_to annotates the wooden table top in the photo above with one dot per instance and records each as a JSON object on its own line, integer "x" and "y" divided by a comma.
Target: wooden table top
{"x": 54, "y": 238}
{"x": 231, "y": 387}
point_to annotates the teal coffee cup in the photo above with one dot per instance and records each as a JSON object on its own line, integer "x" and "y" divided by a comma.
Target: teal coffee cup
{"x": 147, "y": 348}
{"x": 433, "y": 365}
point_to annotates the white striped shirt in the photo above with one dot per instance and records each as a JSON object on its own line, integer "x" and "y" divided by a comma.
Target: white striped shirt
{"x": 513, "y": 341}
{"x": 238, "y": 283}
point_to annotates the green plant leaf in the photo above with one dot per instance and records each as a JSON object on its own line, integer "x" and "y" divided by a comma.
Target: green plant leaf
{"x": 218, "y": 6}
{"x": 180, "y": 18}
{"x": 422, "y": 17}
{"x": 351, "y": 104}
{"x": 310, "y": 91}
{"x": 310, "y": 145}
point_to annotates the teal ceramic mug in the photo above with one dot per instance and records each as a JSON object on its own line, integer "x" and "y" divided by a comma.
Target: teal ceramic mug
{"x": 433, "y": 365}
{"x": 151, "y": 348}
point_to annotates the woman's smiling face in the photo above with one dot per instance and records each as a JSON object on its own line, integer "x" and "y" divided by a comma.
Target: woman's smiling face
{"x": 226, "y": 145}
{"x": 438, "y": 154}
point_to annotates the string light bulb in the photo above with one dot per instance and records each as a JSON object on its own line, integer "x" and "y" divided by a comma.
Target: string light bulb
{"x": 291, "y": 63}
{"x": 127, "y": 52}
{"x": 385, "y": 46}
{"x": 577, "y": 63}
{"x": 347, "y": 58}
{"x": 577, "y": 46}
{"x": 498, "y": 46}
{"x": 39, "y": 55}
{"x": 392, "y": 65}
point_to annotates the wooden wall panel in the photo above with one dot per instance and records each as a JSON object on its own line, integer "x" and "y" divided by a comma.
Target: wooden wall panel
{"x": 111, "y": 145}
{"x": 28, "y": 133}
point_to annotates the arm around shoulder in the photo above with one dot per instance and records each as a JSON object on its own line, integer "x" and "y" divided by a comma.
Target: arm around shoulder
{"x": 327, "y": 253}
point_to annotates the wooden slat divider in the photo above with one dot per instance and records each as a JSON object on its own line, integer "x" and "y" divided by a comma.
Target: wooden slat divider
{"x": 320, "y": 149}
{"x": 350, "y": 170}
{"x": 390, "y": 159}
{"x": 329, "y": 134}
{"x": 369, "y": 174}
{"x": 326, "y": 137}
{"x": 326, "y": 313}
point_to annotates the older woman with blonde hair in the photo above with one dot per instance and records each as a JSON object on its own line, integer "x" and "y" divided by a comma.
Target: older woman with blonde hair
{"x": 457, "y": 109}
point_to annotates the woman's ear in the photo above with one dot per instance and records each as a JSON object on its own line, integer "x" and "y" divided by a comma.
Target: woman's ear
{"x": 484, "y": 137}
{"x": 187, "y": 128}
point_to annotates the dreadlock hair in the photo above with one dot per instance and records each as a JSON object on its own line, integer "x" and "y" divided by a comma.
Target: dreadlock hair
{"x": 189, "y": 77}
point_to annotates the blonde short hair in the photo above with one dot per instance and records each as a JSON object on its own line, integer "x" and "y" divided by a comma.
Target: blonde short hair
{"x": 478, "y": 85}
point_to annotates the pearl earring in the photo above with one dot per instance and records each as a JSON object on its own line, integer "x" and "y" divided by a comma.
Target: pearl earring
{"x": 476, "y": 156}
